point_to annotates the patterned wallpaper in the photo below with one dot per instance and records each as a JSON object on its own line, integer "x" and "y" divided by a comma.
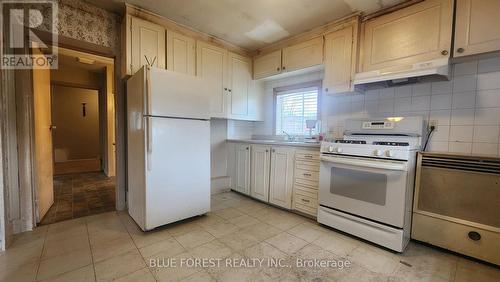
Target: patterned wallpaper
{"x": 80, "y": 20}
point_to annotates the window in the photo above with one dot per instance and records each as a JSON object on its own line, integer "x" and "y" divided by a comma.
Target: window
{"x": 295, "y": 105}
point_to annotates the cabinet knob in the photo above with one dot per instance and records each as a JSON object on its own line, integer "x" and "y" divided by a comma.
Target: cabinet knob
{"x": 444, "y": 52}
{"x": 283, "y": 68}
{"x": 460, "y": 50}
{"x": 229, "y": 90}
{"x": 267, "y": 151}
{"x": 278, "y": 69}
{"x": 225, "y": 88}
{"x": 474, "y": 236}
{"x": 246, "y": 148}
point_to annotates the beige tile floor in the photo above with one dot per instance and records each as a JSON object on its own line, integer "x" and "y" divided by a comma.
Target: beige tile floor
{"x": 109, "y": 246}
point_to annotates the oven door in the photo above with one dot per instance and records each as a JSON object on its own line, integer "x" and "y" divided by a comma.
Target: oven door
{"x": 371, "y": 188}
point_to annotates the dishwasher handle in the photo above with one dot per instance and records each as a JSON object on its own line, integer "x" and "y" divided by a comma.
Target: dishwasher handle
{"x": 378, "y": 164}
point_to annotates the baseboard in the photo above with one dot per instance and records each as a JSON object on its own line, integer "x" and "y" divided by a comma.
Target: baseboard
{"x": 220, "y": 184}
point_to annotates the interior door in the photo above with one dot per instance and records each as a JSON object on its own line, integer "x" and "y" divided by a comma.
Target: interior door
{"x": 181, "y": 53}
{"x": 338, "y": 61}
{"x": 240, "y": 76}
{"x": 43, "y": 141}
{"x": 281, "y": 178}
{"x": 148, "y": 44}
{"x": 211, "y": 65}
{"x": 476, "y": 27}
{"x": 243, "y": 168}
{"x": 259, "y": 180}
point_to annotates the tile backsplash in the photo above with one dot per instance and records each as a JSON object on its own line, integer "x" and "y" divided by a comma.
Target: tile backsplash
{"x": 466, "y": 108}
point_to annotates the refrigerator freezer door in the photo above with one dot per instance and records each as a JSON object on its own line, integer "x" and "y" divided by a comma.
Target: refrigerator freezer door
{"x": 177, "y": 169}
{"x": 173, "y": 94}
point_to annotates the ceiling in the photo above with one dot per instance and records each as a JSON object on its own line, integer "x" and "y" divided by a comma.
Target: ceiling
{"x": 251, "y": 24}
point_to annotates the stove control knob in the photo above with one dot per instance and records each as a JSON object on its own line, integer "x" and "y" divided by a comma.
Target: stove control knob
{"x": 389, "y": 153}
{"x": 330, "y": 149}
{"x": 378, "y": 153}
{"x": 340, "y": 150}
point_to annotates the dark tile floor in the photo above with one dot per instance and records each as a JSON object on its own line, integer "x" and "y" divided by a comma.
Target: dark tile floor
{"x": 82, "y": 194}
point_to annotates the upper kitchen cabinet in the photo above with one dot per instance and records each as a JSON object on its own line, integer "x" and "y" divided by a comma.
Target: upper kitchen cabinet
{"x": 211, "y": 65}
{"x": 267, "y": 65}
{"x": 145, "y": 45}
{"x": 303, "y": 55}
{"x": 181, "y": 53}
{"x": 477, "y": 27}
{"x": 415, "y": 34}
{"x": 239, "y": 86}
{"x": 340, "y": 60}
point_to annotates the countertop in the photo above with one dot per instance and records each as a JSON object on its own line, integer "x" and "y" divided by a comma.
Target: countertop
{"x": 276, "y": 142}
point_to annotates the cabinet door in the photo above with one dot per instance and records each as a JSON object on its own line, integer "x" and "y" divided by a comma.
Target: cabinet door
{"x": 477, "y": 27}
{"x": 259, "y": 179}
{"x": 267, "y": 65}
{"x": 148, "y": 44}
{"x": 418, "y": 33}
{"x": 239, "y": 79}
{"x": 339, "y": 61}
{"x": 181, "y": 53}
{"x": 242, "y": 184}
{"x": 281, "y": 177}
{"x": 211, "y": 65}
{"x": 303, "y": 55}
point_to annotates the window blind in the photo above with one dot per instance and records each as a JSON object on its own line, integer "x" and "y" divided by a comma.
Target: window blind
{"x": 293, "y": 108}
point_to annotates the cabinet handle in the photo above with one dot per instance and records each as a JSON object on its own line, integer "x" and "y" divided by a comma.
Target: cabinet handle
{"x": 305, "y": 201}
{"x": 274, "y": 151}
{"x": 444, "y": 52}
{"x": 306, "y": 174}
{"x": 326, "y": 89}
{"x": 277, "y": 69}
{"x": 308, "y": 156}
{"x": 460, "y": 50}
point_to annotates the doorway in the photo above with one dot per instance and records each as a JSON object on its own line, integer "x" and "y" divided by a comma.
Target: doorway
{"x": 75, "y": 156}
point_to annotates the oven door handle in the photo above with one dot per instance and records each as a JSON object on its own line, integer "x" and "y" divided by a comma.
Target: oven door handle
{"x": 366, "y": 163}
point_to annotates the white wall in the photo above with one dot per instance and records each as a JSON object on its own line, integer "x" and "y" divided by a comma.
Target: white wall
{"x": 466, "y": 108}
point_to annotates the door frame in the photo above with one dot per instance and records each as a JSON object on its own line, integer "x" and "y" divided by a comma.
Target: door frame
{"x": 24, "y": 118}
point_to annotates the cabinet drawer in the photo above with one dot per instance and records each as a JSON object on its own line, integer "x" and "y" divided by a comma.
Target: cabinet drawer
{"x": 307, "y": 175}
{"x": 306, "y": 209}
{"x": 307, "y": 155}
{"x": 306, "y": 201}
{"x": 307, "y": 183}
{"x": 311, "y": 166}
{"x": 306, "y": 191}
{"x": 454, "y": 236}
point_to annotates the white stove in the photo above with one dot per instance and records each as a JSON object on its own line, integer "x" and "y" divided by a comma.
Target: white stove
{"x": 366, "y": 179}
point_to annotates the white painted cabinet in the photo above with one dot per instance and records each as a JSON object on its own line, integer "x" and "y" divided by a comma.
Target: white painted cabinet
{"x": 477, "y": 27}
{"x": 281, "y": 176}
{"x": 145, "y": 45}
{"x": 211, "y": 65}
{"x": 267, "y": 65}
{"x": 415, "y": 34}
{"x": 339, "y": 61}
{"x": 181, "y": 53}
{"x": 242, "y": 169}
{"x": 239, "y": 86}
{"x": 303, "y": 55}
{"x": 260, "y": 169}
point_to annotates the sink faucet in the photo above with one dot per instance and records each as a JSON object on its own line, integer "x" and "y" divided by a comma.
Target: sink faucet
{"x": 290, "y": 138}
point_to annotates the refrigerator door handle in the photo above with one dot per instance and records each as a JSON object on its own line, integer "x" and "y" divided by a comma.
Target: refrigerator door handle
{"x": 148, "y": 91}
{"x": 149, "y": 142}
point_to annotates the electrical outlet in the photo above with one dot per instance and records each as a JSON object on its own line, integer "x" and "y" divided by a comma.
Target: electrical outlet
{"x": 433, "y": 123}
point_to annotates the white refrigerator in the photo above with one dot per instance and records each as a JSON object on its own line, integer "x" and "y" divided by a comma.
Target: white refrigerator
{"x": 168, "y": 147}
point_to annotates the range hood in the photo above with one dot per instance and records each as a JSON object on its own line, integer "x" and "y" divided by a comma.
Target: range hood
{"x": 435, "y": 70}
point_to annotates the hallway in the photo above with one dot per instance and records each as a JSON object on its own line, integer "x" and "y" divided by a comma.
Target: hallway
{"x": 81, "y": 194}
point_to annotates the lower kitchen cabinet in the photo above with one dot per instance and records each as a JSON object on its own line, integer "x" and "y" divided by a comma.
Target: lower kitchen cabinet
{"x": 281, "y": 176}
{"x": 259, "y": 171}
{"x": 242, "y": 169}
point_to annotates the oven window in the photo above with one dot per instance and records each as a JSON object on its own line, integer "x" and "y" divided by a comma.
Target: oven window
{"x": 359, "y": 185}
